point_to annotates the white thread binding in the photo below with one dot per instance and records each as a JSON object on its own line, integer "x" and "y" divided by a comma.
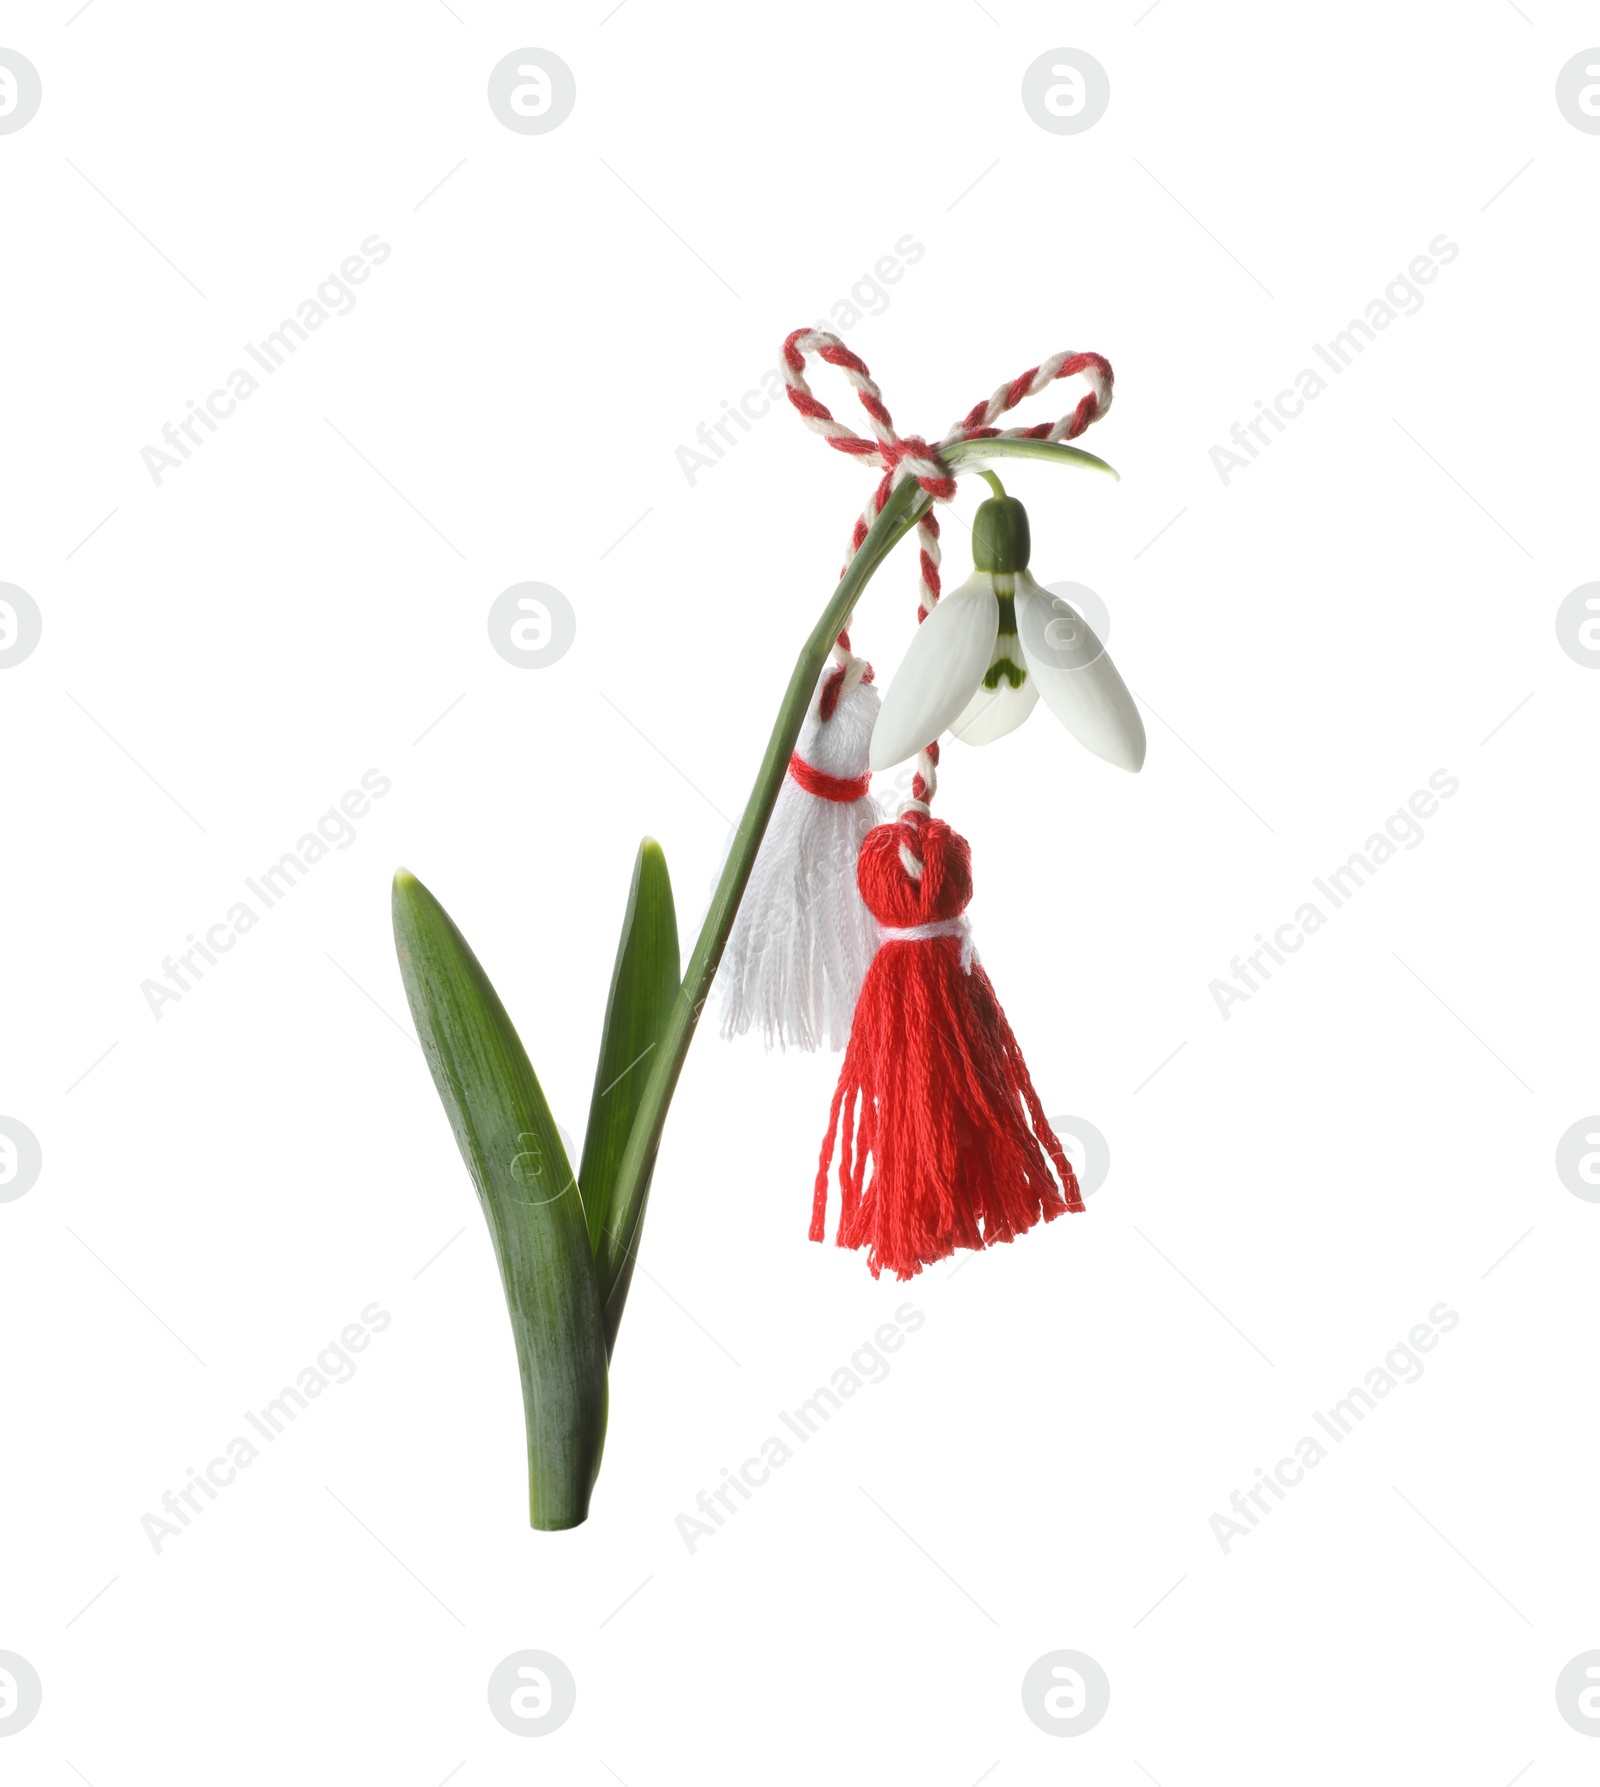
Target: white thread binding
{"x": 944, "y": 927}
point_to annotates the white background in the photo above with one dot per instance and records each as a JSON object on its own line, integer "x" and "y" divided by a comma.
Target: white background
{"x": 1290, "y": 1192}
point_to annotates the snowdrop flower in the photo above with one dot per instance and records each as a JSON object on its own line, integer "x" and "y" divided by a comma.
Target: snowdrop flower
{"x": 991, "y": 649}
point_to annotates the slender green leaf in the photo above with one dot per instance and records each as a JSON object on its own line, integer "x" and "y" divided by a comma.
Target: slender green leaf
{"x": 644, "y": 982}
{"x": 535, "y": 1213}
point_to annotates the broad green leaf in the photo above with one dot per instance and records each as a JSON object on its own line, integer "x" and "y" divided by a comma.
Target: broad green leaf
{"x": 535, "y": 1213}
{"x": 644, "y": 982}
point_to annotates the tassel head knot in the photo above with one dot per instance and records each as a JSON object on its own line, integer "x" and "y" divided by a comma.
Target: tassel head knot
{"x": 895, "y": 896}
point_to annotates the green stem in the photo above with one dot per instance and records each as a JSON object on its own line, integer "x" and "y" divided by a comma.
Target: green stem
{"x": 906, "y": 505}
{"x": 993, "y": 482}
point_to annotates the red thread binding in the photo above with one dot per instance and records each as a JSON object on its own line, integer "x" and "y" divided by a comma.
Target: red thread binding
{"x": 838, "y": 788}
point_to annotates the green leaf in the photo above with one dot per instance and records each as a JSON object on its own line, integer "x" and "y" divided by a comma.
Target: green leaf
{"x": 644, "y": 983}
{"x": 966, "y": 456}
{"x": 534, "y": 1209}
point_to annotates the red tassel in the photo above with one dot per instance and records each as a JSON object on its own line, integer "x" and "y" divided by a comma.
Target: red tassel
{"x": 934, "y": 1088}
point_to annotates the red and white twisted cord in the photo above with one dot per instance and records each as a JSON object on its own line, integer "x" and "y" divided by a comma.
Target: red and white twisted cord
{"x": 909, "y": 456}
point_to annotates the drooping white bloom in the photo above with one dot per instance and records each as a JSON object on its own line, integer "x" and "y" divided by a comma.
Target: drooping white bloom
{"x": 986, "y": 655}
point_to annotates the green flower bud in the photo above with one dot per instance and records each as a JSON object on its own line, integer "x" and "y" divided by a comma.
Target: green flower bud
{"x": 1000, "y": 540}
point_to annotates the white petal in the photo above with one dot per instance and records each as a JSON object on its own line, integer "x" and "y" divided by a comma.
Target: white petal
{"x": 992, "y": 713}
{"x": 943, "y": 665}
{"x": 1076, "y": 677}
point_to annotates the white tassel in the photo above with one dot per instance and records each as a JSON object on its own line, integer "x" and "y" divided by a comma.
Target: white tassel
{"x": 803, "y": 938}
